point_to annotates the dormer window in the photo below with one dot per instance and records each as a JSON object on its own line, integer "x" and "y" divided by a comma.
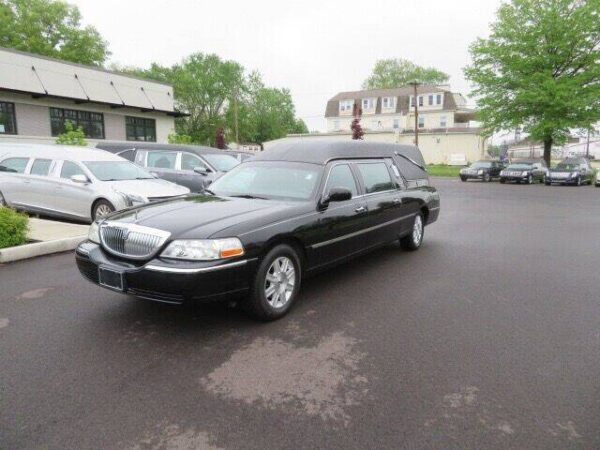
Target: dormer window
{"x": 368, "y": 103}
{"x": 346, "y": 105}
{"x": 388, "y": 102}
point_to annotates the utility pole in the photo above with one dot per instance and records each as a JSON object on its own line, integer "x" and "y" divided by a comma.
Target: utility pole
{"x": 587, "y": 145}
{"x": 414, "y": 84}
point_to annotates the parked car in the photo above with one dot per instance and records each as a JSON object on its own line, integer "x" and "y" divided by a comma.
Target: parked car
{"x": 598, "y": 178}
{"x": 292, "y": 210}
{"x": 73, "y": 182}
{"x": 575, "y": 171}
{"x": 241, "y": 156}
{"x": 525, "y": 171}
{"x": 482, "y": 170}
{"x": 192, "y": 166}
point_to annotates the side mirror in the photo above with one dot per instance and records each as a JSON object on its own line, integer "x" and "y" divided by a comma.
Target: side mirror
{"x": 336, "y": 194}
{"x": 201, "y": 170}
{"x": 81, "y": 179}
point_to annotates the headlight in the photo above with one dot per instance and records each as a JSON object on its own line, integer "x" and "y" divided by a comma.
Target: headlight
{"x": 574, "y": 174}
{"x": 204, "y": 249}
{"x": 94, "y": 233}
{"x": 480, "y": 172}
{"x": 524, "y": 174}
{"x": 132, "y": 199}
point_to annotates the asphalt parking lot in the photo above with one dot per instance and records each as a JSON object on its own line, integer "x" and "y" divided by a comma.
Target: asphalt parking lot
{"x": 487, "y": 337}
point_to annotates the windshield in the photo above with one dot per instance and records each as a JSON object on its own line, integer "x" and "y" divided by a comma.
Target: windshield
{"x": 522, "y": 166}
{"x": 481, "y": 165}
{"x": 272, "y": 179}
{"x": 223, "y": 163}
{"x": 567, "y": 166}
{"x": 116, "y": 170}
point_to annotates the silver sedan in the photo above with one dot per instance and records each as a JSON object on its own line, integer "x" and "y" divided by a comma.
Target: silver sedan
{"x": 76, "y": 183}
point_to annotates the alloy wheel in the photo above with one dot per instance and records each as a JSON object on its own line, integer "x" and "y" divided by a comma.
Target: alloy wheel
{"x": 103, "y": 211}
{"x": 279, "y": 282}
{"x": 417, "y": 233}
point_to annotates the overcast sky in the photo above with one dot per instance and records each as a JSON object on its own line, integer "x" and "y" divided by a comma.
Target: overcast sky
{"x": 315, "y": 48}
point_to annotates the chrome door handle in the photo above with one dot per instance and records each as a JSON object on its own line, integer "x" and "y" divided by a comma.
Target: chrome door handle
{"x": 360, "y": 209}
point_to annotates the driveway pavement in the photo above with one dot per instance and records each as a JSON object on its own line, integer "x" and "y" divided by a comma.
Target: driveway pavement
{"x": 488, "y": 337}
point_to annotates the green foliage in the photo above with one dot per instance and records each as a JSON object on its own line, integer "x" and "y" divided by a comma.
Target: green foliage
{"x": 539, "y": 69}
{"x": 179, "y": 139}
{"x": 50, "y": 28}
{"x": 13, "y": 227}
{"x": 71, "y": 136}
{"x": 443, "y": 170}
{"x": 211, "y": 90}
{"x": 392, "y": 73}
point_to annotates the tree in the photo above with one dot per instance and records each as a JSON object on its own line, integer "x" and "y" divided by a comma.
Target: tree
{"x": 357, "y": 131}
{"x": 71, "y": 136}
{"x": 393, "y": 73}
{"x": 179, "y": 139}
{"x": 50, "y": 28}
{"x": 539, "y": 69}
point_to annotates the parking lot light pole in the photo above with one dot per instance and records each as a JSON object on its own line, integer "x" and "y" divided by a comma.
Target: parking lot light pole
{"x": 414, "y": 84}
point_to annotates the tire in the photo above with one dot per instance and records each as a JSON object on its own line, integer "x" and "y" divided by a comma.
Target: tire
{"x": 502, "y": 180}
{"x": 265, "y": 303}
{"x": 101, "y": 209}
{"x": 463, "y": 179}
{"x": 578, "y": 182}
{"x": 547, "y": 183}
{"x": 414, "y": 240}
{"x": 530, "y": 179}
{"x": 487, "y": 178}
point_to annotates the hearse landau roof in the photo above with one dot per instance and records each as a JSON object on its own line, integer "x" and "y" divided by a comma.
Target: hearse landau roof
{"x": 322, "y": 151}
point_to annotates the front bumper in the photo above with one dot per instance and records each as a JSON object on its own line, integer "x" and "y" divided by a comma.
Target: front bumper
{"x": 470, "y": 176}
{"x": 169, "y": 281}
{"x": 551, "y": 180}
{"x": 512, "y": 178}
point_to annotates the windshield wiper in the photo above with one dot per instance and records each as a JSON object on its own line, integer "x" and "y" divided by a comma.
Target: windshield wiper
{"x": 248, "y": 196}
{"x": 209, "y": 191}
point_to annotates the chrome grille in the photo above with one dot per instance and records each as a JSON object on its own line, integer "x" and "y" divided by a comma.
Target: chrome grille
{"x": 560, "y": 175}
{"x": 131, "y": 240}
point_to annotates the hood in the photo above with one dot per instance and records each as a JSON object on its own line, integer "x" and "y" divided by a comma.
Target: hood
{"x": 201, "y": 216}
{"x": 148, "y": 188}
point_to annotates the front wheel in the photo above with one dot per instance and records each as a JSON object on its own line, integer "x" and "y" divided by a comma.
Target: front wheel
{"x": 463, "y": 178}
{"x": 530, "y": 179}
{"x": 487, "y": 178}
{"x": 502, "y": 180}
{"x": 578, "y": 182}
{"x": 101, "y": 209}
{"x": 414, "y": 240}
{"x": 276, "y": 284}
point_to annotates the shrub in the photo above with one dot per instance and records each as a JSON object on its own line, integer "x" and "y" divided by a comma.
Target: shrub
{"x": 13, "y": 227}
{"x": 71, "y": 136}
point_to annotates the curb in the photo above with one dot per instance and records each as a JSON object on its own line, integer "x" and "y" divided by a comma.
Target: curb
{"x": 39, "y": 249}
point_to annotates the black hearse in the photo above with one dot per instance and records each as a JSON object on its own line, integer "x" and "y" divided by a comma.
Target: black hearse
{"x": 296, "y": 208}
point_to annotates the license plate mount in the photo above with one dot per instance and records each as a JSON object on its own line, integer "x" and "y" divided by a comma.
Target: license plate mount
{"x": 111, "y": 279}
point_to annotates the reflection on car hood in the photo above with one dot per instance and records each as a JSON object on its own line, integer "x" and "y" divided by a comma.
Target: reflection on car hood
{"x": 201, "y": 216}
{"x": 148, "y": 188}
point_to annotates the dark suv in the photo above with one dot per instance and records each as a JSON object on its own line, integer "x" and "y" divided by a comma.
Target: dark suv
{"x": 575, "y": 171}
{"x": 192, "y": 166}
{"x": 482, "y": 170}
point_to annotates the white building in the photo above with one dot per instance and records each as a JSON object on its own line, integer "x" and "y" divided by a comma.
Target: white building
{"x": 38, "y": 95}
{"x": 446, "y": 129}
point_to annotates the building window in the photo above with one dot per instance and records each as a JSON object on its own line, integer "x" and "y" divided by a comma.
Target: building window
{"x": 91, "y": 123}
{"x": 346, "y": 105}
{"x": 438, "y": 99}
{"x": 389, "y": 102}
{"x": 420, "y": 100}
{"x": 443, "y": 122}
{"x": 412, "y": 102}
{"x": 368, "y": 103}
{"x": 396, "y": 124}
{"x": 140, "y": 129}
{"x": 431, "y": 100}
{"x": 8, "y": 120}
{"x": 421, "y": 122}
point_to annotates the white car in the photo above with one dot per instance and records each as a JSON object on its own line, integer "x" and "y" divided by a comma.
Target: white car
{"x": 75, "y": 182}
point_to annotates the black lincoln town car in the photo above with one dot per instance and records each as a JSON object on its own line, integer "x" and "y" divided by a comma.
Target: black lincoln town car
{"x": 262, "y": 227}
{"x": 481, "y": 170}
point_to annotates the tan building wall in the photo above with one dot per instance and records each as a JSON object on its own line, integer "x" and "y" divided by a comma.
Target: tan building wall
{"x": 437, "y": 148}
{"x": 33, "y": 119}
